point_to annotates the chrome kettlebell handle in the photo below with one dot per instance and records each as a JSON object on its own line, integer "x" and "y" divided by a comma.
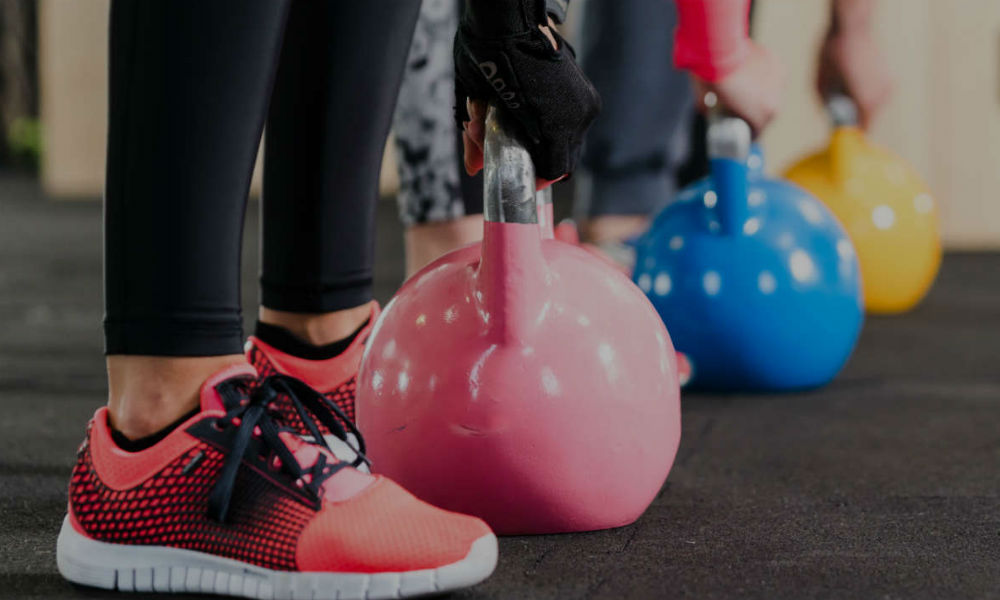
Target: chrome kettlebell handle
{"x": 728, "y": 136}
{"x": 544, "y": 196}
{"x": 728, "y": 140}
{"x": 842, "y": 110}
{"x": 509, "y": 175}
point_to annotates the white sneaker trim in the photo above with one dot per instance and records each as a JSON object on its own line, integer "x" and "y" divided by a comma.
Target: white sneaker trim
{"x": 138, "y": 568}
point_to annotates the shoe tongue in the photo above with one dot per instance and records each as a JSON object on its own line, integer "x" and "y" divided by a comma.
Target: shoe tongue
{"x": 307, "y": 454}
{"x": 344, "y": 484}
{"x": 210, "y": 398}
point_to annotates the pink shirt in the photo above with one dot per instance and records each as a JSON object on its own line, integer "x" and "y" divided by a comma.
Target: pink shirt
{"x": 713, "y": 37}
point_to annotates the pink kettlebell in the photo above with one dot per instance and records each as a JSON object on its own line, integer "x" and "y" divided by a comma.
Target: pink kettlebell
{"x": 522, "y": 380}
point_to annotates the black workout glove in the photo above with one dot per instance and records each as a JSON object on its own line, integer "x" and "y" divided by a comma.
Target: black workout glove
{"x": 502, "y": 56}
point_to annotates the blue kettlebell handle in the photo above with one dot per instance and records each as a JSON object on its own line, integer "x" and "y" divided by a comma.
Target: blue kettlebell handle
{"x": 728, "y": 149}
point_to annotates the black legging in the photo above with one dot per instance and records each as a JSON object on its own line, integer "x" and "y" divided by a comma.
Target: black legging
{"x": 190, "y": 84}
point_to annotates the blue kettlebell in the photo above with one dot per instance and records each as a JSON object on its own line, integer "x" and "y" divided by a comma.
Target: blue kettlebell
{"x": 755, "y": 279}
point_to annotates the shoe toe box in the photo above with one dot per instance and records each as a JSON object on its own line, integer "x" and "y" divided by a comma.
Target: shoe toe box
{"x": 386, "y": 529}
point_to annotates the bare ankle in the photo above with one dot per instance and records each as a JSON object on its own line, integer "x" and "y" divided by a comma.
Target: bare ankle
{"x": 427, "y": 242}
{"x": 318, "y": 329}
{"x": 148, "y": 393}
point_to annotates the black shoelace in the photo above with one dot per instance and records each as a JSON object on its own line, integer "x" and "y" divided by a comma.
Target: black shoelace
{"x": 250, "y": 411}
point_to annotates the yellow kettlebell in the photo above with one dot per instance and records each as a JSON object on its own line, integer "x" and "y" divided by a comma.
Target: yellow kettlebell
{"x": 885, "y": 208}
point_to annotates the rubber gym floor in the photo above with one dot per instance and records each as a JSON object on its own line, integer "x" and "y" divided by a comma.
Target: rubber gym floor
{"x": 882, "y": 485}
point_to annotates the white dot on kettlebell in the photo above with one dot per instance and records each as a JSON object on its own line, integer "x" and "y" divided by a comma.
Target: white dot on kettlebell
{"x": 802, "y": 266}
{"x": 754, "y": 162}
{"x": 403, "y": 381}
{"x": 712, "y": 282}
{"x": 766, "y": 282}
{"x": 883, "y": 217}
{"x": 606, "y": 353}
{"x": 755, "y": 198}
{"x": 421, "y": 320}
{"x": 811, "y": 211}
{"x": 662, "y": 284}
{"x": 711, "y": 199}
{"x": 549, "y": 382}
{"x": 583, "y": 320}
{"x": 377, "y": 380}
{"x": 844, "y": 249}
{"x": 676, "y": 242}
{"x": 645, "y": 282}
{"x": 923, "y": 203}
{"x": 786, "y": 240}
{"x": 751, "y": 226}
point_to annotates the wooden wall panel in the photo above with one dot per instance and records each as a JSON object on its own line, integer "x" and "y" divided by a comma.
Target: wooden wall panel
{"x": 73, "y": 53}
{"x": 72, "y": 80}
{"x": 964, "y": 122}
{"x": 944, "y": 116}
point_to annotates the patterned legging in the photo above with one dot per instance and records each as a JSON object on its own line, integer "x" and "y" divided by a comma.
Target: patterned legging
{"x": 433, "y": 186}
{"x": 634, "y": 149}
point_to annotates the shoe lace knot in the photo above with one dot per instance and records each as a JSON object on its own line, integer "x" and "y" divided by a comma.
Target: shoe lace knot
{"x": 249, "y": 408}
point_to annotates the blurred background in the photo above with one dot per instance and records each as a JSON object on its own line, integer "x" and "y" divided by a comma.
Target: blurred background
{"x": 944, "y": 117}
{"x": 881, "y": 485}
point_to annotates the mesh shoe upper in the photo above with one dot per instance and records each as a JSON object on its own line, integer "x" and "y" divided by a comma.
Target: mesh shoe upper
{"x": 335, "y": 378}
{"x": 315, "y": 514}
{"x": 169, "y": 507}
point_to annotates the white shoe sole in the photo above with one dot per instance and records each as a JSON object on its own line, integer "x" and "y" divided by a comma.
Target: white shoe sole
{"x": 133, "y": 568}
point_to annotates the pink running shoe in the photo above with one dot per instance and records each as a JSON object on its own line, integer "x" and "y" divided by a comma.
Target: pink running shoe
{"x": 233, "y": 502}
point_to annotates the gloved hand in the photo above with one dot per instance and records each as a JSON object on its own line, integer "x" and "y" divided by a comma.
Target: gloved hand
{"x": 505, "y": 52}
